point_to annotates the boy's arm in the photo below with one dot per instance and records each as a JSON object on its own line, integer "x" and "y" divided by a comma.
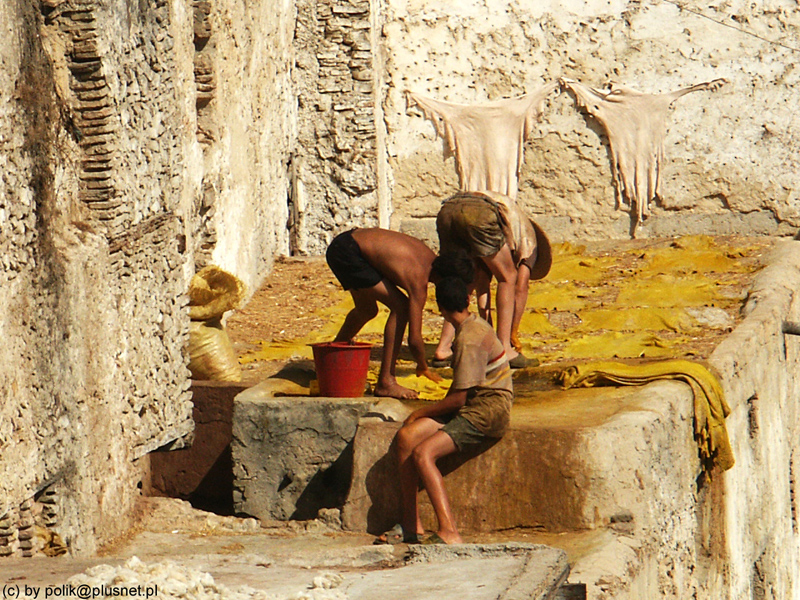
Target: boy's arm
{"x": 416, "y": 304}
{"x": 454, "y": 400}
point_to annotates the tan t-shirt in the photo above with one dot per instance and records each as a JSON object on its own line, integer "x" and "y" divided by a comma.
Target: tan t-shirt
{"x": 480, "y": 366}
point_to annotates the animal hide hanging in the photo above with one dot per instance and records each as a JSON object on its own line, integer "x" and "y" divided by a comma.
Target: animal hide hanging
{"x": 486, "y": 139}
{"x": 636, "y": 126}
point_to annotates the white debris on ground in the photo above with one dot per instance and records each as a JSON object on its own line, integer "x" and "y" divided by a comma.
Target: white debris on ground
{"x": 169, "y": 580}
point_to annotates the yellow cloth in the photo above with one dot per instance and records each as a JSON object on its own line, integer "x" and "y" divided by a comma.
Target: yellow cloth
{"x": 710, "y": 408}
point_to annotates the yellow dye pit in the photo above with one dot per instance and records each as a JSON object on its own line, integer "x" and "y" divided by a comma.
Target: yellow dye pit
{"x": 627, "y": 299}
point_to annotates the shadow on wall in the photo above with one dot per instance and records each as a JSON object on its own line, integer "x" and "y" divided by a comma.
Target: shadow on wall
{"x": 326, "y": 489}
{"x": 203, "y": 473}
{"x": 383, "y": 485}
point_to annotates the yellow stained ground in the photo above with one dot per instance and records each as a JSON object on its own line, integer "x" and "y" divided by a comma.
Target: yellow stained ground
{"x": 635, "y": 299}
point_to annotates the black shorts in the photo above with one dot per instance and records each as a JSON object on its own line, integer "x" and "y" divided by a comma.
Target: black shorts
{"x": 349, "y": 265}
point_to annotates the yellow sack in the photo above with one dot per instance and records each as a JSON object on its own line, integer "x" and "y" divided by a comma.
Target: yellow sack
{"x": 212, "y": 292}
{"x": 211, "y": 354}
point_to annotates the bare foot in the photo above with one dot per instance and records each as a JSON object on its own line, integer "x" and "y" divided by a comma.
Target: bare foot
{"x": 395, "y": 390}
{"x": 515, "y": 343}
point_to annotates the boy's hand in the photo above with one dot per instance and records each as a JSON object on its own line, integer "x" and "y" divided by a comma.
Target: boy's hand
{"x": 423, "y": 371}
{"x": 412, "y": 417}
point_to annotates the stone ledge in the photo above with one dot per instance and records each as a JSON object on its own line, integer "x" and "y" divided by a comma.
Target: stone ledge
{"x": 292, "y": 456}
{"x": 553, "y": 474}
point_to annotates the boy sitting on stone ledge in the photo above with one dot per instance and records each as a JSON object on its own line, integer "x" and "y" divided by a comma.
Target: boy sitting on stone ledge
{"x": 477, "y": 407}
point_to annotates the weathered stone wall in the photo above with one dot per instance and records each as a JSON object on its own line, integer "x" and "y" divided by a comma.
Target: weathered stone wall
{"x": 758, "y": 500}
{"x": 138, "y": 141}
{"x": 336, "y": 180}
{"x": 246, "y": 120}
{"x": 730, "y": 158}
{"x": 93, "y": 370}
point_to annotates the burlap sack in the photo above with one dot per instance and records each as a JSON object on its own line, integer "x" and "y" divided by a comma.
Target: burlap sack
{"x": 213, "y": 292}
{"x": 211, "y": 354}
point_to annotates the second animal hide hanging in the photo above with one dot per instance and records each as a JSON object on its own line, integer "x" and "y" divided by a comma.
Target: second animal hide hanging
{"x": 636, "y": 125}
{"x": 486, "y": 139}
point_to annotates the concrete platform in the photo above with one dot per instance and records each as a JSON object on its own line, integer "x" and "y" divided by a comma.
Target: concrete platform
{"x": 303, "y": 560}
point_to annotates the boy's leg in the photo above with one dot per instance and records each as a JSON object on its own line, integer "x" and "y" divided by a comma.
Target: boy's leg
{"x": 502, "y": 267}
{"x": 444, "y": 349}
{"x": 396, "y": 301}
{"x": 365, "y": 309}
{"x": 406, "y": 440}
{"x": 520, "y": 300}
{"x": 481, "y": 285}
{"x": 425, "y": 456}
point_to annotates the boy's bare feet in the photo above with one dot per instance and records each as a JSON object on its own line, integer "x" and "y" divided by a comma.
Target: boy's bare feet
{"x": 395, "y": 390}
{"x": 441, "y": 361}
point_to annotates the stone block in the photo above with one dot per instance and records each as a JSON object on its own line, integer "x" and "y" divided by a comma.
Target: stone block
{"x": 292, "y": 455}
{"x": 423, "y": 229}
{"x": 576, "y": 473}
{"x": 202, "y": 473}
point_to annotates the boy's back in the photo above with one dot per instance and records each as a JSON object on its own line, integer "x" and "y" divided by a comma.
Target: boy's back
{"x": 400, "y": 258}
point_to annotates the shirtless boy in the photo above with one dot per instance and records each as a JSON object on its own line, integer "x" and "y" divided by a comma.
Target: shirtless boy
{"x": 374, "y": 265}
{"x": 477, "y": 407}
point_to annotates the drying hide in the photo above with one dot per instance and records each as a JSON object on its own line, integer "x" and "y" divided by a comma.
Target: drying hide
{"x": 636, "y": 125}
{"x": 486, "y": 139}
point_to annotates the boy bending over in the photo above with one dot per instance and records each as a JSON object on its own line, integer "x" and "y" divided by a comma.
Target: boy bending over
{"x": 477, "y": 407}
{"x": 380, "y": 265}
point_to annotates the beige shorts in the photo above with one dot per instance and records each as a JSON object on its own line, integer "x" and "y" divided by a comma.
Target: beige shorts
{"x": 470, "y": 222}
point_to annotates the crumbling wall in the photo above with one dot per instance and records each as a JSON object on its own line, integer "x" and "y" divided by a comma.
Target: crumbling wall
{"x": 729, "y": 160}
{"x": 93, "y": 292}
{"x": 334, "y": 165}
{"x": 138, "y": 141}
{"x": 757, "y": 506}
{"x": 246, "y": 127}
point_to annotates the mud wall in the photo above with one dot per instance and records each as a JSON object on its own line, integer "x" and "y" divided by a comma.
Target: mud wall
{"x": 729, "y": 159}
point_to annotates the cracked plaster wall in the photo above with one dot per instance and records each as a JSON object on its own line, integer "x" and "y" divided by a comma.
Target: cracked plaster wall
{"x": 93, "y": 373}
{"x": 731, "y": 155}
{"x": 247, "y": 127}
{"x": 338, "y": 180}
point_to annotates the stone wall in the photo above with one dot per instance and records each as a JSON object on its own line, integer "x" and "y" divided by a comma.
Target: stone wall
{"x": 336, "y": 180}
{"x": 138, "y": 142}
{"x": 93, "y": 289}
{"x": 758, "y": 500}
{"x": 247, "y": 128}
{"x": 729, "y": 155}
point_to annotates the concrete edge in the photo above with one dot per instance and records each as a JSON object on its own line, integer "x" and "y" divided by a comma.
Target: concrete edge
{"x": 543, "y": 569}
{"x": 770, "y": 302}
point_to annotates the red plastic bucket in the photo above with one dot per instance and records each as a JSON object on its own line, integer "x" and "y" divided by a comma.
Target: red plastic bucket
{"x": 341, "y": 368}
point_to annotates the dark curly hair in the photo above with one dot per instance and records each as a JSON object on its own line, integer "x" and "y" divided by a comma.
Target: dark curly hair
{"x": 454, "y": 264}
{"x": 451, "y": 294}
